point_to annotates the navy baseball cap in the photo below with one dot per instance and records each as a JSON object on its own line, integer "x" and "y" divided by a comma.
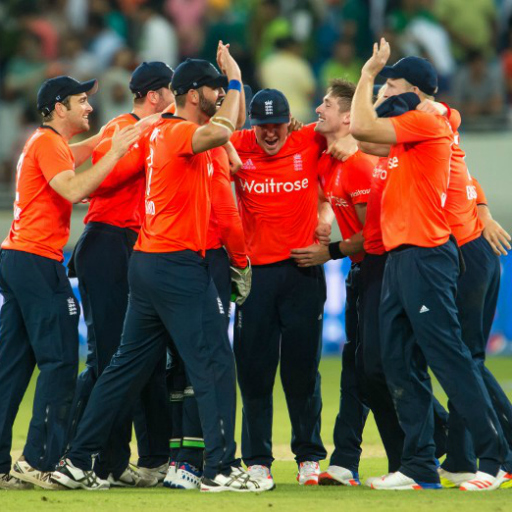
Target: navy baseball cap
{"x": 56, "y": 90}
{"x": 194, "y": 73}
{"x": 269, "y": 106}
{"x": 398, "y": 105}
{"x": 150, "y": 76}
{"x": 416, "y": 71}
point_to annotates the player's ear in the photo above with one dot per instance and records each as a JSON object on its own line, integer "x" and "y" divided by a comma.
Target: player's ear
{"x": 345, "y": 117}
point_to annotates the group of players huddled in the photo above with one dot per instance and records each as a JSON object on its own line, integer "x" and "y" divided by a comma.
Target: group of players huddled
{"x": 165, "y": 249}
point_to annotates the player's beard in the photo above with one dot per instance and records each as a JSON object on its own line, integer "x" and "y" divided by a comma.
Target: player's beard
{"x": 208, "y": 107}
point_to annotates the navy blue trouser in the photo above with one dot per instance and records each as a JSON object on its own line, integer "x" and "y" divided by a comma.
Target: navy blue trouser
{"x": 38, "y": 325}
{"x": 351, "y": 418}
{"x": 476, "y": 301}
{"x": 192, "y": 443}
{"x": 420, "y": 327}
{"x": 100, "y": 261}
{"x": 173, "y": 297}
{"x": 281, "y": 321}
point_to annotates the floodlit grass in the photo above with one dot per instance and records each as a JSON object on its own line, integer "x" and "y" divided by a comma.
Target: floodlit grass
{"x": 288, "y": 496}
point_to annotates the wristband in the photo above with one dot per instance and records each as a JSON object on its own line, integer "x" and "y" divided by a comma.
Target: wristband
{"x": 335, "y": 252}
{"x": 235, "y": 85}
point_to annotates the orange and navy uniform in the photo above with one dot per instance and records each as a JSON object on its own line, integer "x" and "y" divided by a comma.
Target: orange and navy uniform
{"x": 372, "y": 231}
{"x": 119, "y": 200}
{"x": 461, "y": 201}
{"x": 42, "y": 217}
{"x": 481, "y": 199}
{"x": 178, "y": 187}
{"x": 278, "y": 195}
{"x": 225, "y": 227}
{"x": 419, "y": 167}
{"x": 346, "y": 184}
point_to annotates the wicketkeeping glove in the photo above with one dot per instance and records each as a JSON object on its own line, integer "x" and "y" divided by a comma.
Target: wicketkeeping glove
{"x": 241, "y": 283}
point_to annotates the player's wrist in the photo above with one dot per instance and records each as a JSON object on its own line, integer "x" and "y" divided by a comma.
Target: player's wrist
{"x": 335, "y": 251}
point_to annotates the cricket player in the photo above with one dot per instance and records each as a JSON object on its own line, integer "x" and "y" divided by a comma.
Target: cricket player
{"x": 418, "y": 313}
{"x": 172, "y": 295}
{"x": 346, "y": 185}
{"x": 100, "y": 261}
{"x": 281, "y": 321}
{"x": 39, "y": 318}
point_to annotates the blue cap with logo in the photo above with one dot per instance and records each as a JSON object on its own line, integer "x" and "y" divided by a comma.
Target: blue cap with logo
{"x": 398, "y": 105}
{"x": 416, "y": 71}
{"x": 269, "y": 106}
{"x": 55, "y": 90}
{"x": 194, "y": 73}
{"x": 150, "y": 76}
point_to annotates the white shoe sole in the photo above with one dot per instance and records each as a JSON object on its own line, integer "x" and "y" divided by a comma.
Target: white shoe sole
{"x": 24, "y": 477}
{"x": 69, "y": 483}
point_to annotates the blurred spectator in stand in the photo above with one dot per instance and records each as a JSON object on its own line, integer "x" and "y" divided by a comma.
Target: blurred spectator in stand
{"x": 343, "y": 64}
{"x": 157, "y": 39}
{"x": 287, "y": 71}
{"x": 329, "y": 30}
{"x": 188, "y": 19}
{"x": 420, "y": 33}
{"x": 478, "y": 89}
{"x": 104, "y": 41}
{"x": 472, "y": 25}
{"x": 75, "y": 60}
{"x": 356, "y": 16}
{"x": 228, "y": 23}
{"x": 114, "y": 97}
{"x": 268, "y": 25}
{"x": 506, "y": 66}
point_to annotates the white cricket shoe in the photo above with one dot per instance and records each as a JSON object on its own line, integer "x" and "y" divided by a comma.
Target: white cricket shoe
{"x": 237, "y": 480}
{"x": 72, "y": 477}
{"x": 369, "y": 481}
{"x": 171, "y": 474}
{"x": 483, "y": 482}
{"x": 260, "y": 472}
{"x": 159, "y": 472}
{"x": 337, "y": 475}
{"x": 308, "y": 474}
{"x": 23, "y": 471}
{"x": 188, "y": 477}
{"x": 131, "y": 477}
{"x": 450, "y": 480}
{"x": 11, "y": 483}
{"x": 399, "y": 482}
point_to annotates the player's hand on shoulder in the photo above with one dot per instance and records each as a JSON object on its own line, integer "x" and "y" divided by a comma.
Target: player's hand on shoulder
{"x": 381, "y": 53}
{"x": 342, "y": 149}
{"x": 432, "y": 107}
{"x": 123, "y": 138}
{"x": 294, "y": 125}
{"x": 497, "y": 237}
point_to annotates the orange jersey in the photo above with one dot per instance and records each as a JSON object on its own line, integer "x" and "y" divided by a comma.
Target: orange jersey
{"x": 419, "y": 167}
{"x": 480, "y": 194}
{"x": 41, "y": 216}
{"x": 119, "y": 200}
{"x": 461, "y": 201}
{"x": 225, "y": 227}
{"x": 346, "y": 184}
{"x": 372, "y": 232}
{"x": 178, "y": 182}
{"x": 278, "y": 195}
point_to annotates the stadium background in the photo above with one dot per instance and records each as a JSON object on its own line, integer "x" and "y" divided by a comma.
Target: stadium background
{"x": 291, "y": 45}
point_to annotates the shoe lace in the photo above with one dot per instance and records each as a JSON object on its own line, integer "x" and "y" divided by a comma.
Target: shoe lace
{"x": 45, "y": 476}
{"x": 258, "y": 471}
{"x": 309, "y": 467}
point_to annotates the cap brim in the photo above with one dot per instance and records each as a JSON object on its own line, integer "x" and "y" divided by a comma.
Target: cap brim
{"x": 389, "y": 72}
{"x": 270, "y": 120}
{"x": 220, "y": 81}
{"x": 89, "y": 87}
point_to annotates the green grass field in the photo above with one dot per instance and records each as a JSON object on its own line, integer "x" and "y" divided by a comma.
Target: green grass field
{"x": 288, "y": 496}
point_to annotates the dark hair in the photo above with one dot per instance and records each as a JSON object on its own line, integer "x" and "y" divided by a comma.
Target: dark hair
{"x": 343, "y": 91}
{"x": 66, "y": 102}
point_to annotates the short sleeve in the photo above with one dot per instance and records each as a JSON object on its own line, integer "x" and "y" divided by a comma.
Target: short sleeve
{"x": 480, "y": 194}
{"x": 182, "y": 134}
{"x": 358, "y": 181}
{"x": 454, "y": 119}
{"x": 417, "y": 126}
{"x": 240, "y": 138}
{"x": 53, "y": 156}
{"x": 310, "y": 136}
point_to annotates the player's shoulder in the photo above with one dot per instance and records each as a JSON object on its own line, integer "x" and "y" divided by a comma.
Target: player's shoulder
{"x": 244, "y": 140}
{"x": 304, "y": 134}
{"x": 46, "y": 139}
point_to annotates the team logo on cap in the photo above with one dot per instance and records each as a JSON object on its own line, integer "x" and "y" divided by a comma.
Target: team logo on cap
{"x": 269, "y": 107}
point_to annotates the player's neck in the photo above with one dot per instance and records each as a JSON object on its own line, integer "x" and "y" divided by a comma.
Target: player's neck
{"x": 339, "y": 135}
{"x": 192, "y": 113}
{"x": 62, "y": 128}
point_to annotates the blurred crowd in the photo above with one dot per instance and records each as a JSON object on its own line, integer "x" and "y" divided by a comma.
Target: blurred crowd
{"x": 296, "y": 46}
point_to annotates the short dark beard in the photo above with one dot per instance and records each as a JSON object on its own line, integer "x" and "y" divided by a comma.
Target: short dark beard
{"x": 208, "y": 107}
